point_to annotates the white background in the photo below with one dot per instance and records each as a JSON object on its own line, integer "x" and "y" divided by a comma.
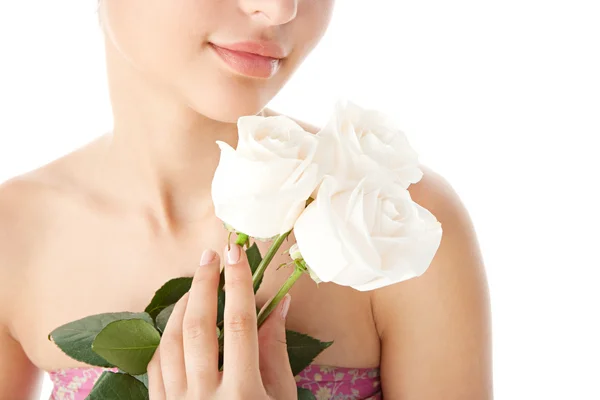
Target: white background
{"x": 502, "y": 98}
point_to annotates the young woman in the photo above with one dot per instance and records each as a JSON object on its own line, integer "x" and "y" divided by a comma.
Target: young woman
{"x": 101, "y": 228}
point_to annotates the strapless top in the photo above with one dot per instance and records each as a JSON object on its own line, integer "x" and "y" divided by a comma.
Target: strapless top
{"x": 325, "y": 382}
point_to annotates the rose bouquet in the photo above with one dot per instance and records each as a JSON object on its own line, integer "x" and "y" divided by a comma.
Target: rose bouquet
{"x": 343, "y": 192}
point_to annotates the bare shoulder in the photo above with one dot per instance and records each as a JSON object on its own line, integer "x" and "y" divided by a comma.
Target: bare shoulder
{"x": 435, "y": 329}
{"x": 22, "y": 214}
{"x": 30, "y": 206}
{"x": 459, "y": 250}
{"x": 21, "y": 221}
{"x": 27, "y": 201}
{"x": 437, "y": 194}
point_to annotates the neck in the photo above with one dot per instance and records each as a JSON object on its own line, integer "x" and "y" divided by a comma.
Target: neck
{"x": 161, "y": 154}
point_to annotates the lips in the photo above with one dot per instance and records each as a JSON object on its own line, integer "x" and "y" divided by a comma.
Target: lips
{"x": 262, "y": 48}
{"x": 251, "y": 61}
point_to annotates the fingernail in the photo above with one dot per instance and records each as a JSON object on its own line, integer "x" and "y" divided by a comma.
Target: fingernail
{"x": 233, "y": 255}
{"x": 285, "y": 307}
{"x": 208, "y": 256}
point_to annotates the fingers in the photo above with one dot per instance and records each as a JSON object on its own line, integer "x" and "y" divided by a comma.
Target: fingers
{"x": 201, "y": 348}
{"x": 171, "y": 354}
{"x": 240, "y": 358}
{"x": 156, "y": 388}
{"x": 275, "y": 366}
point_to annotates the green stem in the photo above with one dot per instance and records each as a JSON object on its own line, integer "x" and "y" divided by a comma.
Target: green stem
{"x": 287, "y": 285}
{"x": 242, "y": 239}
{"x": 260, "y": 270}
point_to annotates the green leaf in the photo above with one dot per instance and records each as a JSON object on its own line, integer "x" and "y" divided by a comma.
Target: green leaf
{"x": 221, "y": 358}
{"x": 220, "y": 307}
{"x": 168, "y": 294}
{"x": 163, "y": 317}
{"x": 128, "y": 344}
{"x": 303, "y": 349}
{"x": 222, "y": 280}
{"x": 75, "y": 338}
{"x": 116, "y": 386}
{"x": 220, "y": 316}
{"x": 254, "y": 259}
{"x": 142, "y": 378}
{"x": 305, "y": 394}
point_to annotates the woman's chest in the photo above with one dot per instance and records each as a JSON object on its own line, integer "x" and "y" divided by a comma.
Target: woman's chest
{"x": 114, "y": 273}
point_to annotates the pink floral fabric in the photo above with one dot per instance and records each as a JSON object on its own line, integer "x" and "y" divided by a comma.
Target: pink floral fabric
{"x": 75, "y": 383}
{"x": 326, "y": 383}
{"x": 337, "y": 383}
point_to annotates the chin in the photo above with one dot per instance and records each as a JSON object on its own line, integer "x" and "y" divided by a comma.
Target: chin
{"x": 223, "y": 95}
{"x": 227, "y": 104}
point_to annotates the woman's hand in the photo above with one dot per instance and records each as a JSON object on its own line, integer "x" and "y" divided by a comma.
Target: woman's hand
{"x": 185, "y": 365}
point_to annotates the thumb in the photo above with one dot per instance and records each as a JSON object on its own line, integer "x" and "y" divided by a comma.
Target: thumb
{"x": 274, "y": 363}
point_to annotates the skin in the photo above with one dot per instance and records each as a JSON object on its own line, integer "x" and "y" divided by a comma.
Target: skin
{"x": 185, "y": 364}
{"x": 100, "y": 229}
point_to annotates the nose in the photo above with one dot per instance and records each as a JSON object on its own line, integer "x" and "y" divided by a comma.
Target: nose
{"x": 276, "y": 12}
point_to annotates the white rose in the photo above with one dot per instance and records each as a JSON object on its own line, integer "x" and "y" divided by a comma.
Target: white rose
{"x": 296, "y": 255}
{"x": 261, "y": 188}
{"x": 357, "y": 142}
{"x": 366, "y": 239}
{"x": 295, "y": 252}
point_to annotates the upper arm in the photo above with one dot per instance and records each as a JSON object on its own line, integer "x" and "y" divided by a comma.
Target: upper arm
{"x": 19, "y": 378}
{"x": 435, "y": 329}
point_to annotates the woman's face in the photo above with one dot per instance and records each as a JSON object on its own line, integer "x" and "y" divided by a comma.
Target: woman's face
{"x": 171, "y": 43}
